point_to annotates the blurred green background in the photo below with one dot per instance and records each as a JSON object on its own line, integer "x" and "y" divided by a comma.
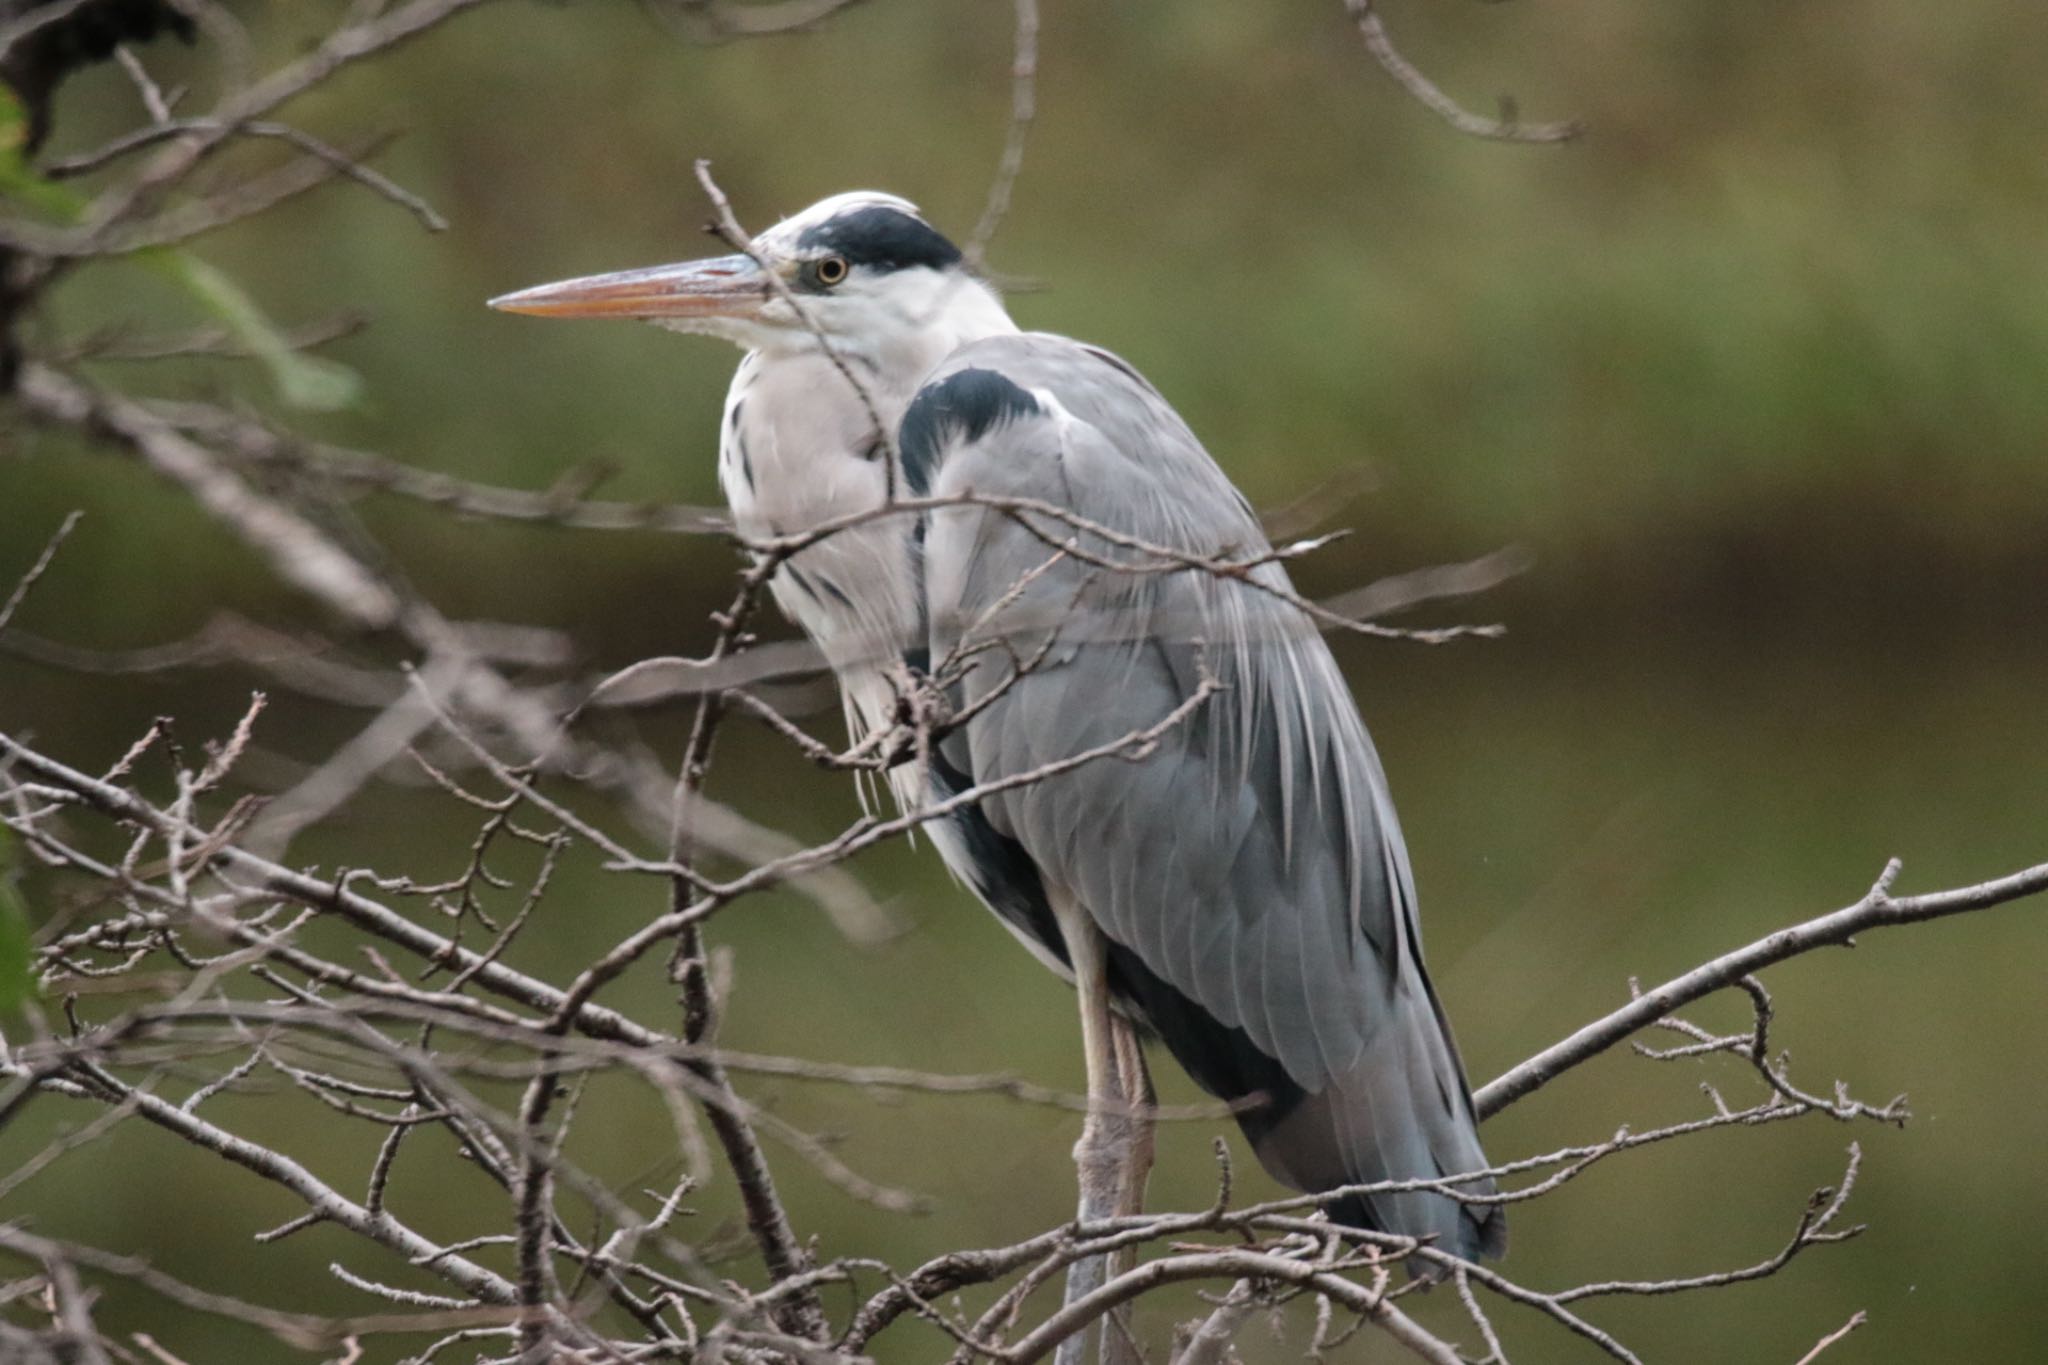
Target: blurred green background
{"x": 1758, "y": 371}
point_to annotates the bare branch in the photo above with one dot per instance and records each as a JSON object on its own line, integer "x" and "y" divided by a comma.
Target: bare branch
{"x": 1229, "y": 1264}
{"x": 565, "y": 504}
{"x": 1023, "y": 109}
{"x": 36, "y": 20}
{"x": 1507, "y": 128}
{"x": 1878, "y": 908}
{"x": 332, "y": 157}
{"x": 1856, "y": 1319}
{"x": 721, "y": 20}
{"x": 728, "y": 229}
{"x": 299, "y": 553}
{"x": 36, "y": 570}
{"x": 301, "y": 1330}
{"x": 179, "y": 959}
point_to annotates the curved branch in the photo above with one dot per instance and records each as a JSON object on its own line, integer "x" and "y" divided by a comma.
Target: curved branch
{"x": 1227, "y": 1265}
{"x": 1023, "y": 109}
{"x": 1405, "y": 74}
{"x": 1877, "y": 909}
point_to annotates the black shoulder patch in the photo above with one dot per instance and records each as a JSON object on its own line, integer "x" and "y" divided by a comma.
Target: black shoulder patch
{"x": 882, "y": 238}
{"x": 968, "y": 402}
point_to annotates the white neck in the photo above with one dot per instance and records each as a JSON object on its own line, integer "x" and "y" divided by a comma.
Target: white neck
{"x": 923, "y": 317}
{"x": 797, "y": 448}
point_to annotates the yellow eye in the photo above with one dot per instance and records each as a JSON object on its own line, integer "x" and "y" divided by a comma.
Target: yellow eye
{"x": 831, "y": 270}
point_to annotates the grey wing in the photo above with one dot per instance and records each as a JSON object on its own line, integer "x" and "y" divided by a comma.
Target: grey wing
{"x": 1249, "y": 871}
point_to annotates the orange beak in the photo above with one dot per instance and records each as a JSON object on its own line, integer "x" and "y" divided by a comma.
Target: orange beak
{"x": 723, "y": 287}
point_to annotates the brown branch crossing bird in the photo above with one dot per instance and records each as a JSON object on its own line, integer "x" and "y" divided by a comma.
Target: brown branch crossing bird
{"x": 1236, "y": 882}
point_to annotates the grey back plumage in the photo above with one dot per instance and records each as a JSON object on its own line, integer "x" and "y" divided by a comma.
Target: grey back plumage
{"x": 1249, "y": 872}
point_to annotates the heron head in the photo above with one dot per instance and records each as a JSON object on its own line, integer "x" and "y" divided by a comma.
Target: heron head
{"x": 865, "y": 269}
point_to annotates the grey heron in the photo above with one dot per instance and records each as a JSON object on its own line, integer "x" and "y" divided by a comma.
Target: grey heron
{"x": 1242, "y": 892}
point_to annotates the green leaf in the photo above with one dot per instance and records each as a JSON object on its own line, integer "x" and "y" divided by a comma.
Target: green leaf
{"x": 303, "y": 381}
{"x": 13, "y": 123}
{"x": 18, "y": 180}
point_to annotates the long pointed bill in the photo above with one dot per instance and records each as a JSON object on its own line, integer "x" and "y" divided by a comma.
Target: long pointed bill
{"x": 724, "y": 287}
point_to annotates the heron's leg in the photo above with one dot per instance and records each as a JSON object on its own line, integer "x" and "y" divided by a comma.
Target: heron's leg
{"x": 1132, "y": 1125}
{"x": 1098, "y": 1156}
{"x": 1134, "y": 1086}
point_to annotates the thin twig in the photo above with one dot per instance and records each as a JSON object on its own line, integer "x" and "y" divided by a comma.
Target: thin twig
{"x": 1856, "y": 1319}
{"x": 1878, "y": 908}
{"x": 729, "y": 230}
{"x": 1023, "y": 109}
{"x": 1507, "y": 128}
{"x": 36, "y": 570}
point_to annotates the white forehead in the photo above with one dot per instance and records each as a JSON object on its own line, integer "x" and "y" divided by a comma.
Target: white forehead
{"x": 784, "y": 234}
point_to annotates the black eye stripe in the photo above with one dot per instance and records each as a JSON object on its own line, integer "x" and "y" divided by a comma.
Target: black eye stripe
{"x": 882, "y": 238}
